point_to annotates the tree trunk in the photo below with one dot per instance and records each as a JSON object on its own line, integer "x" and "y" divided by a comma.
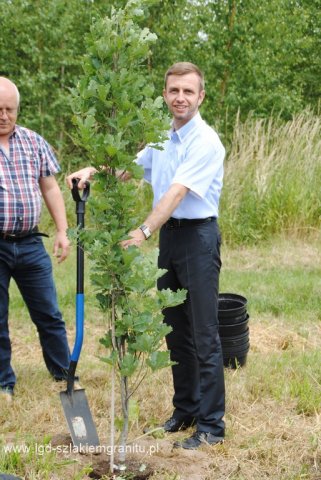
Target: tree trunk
{"x": 124, "y": 432}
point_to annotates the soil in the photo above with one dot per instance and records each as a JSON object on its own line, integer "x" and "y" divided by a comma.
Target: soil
{"x": 151, "y": 456}
{"x": 134, "y": 470}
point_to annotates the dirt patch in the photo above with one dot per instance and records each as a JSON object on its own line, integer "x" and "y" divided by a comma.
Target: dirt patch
{"x": 134, "y": 470}
{"x": 148, "y": 457}
{"x": 155, "y": 457}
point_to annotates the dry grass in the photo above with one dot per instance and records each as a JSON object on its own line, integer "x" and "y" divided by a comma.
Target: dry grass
{"x": 271, "y": 179}
{"x": 267, "y": 438}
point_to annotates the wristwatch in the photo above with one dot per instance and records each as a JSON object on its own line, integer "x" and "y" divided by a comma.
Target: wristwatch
{"x": 147, "y": 233}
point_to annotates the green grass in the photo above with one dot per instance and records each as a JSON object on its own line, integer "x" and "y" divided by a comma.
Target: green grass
{"x": 288, "y": 376}
{"x": 273, "y": 403}
{"x": 35, "y": 454}
{"x": 281, "y": 292}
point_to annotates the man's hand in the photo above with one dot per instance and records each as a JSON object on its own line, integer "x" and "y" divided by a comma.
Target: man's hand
{"x": 137, "y": 238}
{"x": 61, "y": 246}
{"x": 84, "y": 175}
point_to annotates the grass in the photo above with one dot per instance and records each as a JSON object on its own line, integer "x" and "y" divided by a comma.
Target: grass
{"x": 273, "y": 403}
{"x": 272, "y": 178}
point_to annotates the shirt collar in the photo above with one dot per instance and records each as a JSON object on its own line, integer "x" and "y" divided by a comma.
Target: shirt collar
{"x": 182, "y": 132}
{"x": 14, "y": 131}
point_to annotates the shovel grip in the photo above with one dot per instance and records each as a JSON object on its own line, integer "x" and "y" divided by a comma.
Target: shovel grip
{"x": 75, "y": 191}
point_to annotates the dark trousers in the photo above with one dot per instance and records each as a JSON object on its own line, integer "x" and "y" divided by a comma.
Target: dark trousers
{"x": 191, "y": 255}
{"x": 27, "y": 261}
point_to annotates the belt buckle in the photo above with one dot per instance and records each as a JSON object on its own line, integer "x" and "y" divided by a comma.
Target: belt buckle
{"x": 10, "y": 236}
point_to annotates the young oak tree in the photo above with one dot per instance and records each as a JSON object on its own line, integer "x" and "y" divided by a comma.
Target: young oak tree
{"x": 116, "y": 115}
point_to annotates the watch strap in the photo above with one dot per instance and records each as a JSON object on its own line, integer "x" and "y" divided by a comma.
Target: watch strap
{"x": 147, "y": 233}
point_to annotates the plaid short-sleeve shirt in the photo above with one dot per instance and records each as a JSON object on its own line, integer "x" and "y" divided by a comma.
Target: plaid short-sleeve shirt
{"x": 29, "y": 158}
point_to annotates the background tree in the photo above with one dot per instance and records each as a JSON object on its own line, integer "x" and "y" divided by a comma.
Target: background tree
{"x": 258, "y": 58}
{"x": 42, "y": 46}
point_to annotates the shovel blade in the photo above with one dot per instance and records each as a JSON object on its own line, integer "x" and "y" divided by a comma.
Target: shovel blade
{"x": 80, "y": 422}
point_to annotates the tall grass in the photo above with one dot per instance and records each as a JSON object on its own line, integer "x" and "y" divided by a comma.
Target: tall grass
{"x": 272, "y": 178}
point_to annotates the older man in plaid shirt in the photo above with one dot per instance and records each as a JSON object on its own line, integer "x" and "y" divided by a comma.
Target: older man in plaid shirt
{"x": 27, "y": 169}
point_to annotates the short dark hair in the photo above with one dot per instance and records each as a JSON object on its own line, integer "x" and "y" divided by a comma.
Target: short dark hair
{"x": 183, "y": 68}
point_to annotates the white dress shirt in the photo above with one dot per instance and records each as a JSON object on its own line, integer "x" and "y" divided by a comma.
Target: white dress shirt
{"x": 192, "y": 156}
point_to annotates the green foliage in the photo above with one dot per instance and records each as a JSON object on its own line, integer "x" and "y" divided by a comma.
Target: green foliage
{"x": 42, "y": 43}
{"x": 280, "y": 292}
{"x": 257, "y": 57}
{"x": 115, "y": 116}
{"x": 260, "y": 58}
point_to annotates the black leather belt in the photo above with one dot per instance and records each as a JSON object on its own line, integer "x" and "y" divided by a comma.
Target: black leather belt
{"x": 15, "y": 237}
{"x": 187, "y": 222}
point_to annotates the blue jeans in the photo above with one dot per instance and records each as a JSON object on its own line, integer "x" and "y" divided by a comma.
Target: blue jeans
{"x": 28, "y": 263}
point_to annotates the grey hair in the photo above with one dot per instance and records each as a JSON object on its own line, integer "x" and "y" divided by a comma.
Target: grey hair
{"x": 14, "y": 87}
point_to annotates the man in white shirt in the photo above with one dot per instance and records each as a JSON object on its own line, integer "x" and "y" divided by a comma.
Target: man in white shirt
{"x": 186, "y": 177}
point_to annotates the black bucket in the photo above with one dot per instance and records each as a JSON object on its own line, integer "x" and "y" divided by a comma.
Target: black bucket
{"x": 231, "y": 308}
{"x": 227, "y": 330}
{"x": 233, "y": 329}
{"x": 235, "y": 362}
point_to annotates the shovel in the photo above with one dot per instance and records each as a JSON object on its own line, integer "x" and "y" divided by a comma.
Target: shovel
{"x": 74, "y": 402}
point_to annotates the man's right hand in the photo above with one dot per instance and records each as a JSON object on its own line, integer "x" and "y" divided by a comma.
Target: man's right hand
{"x": 84, "y": 175}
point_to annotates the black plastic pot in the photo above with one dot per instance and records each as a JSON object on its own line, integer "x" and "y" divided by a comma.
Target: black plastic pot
{"x": 234, "y": 362}
{"x": 227, "y": 330}
{"x": 236, "y": 351}
{"x": 231, "y": 306}
{"x": 233, "y": 329}
{"x": 235, "y": 357}
{"x": 231, "y": 320}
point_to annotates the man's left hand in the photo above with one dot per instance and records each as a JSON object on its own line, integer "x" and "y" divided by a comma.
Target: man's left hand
{"x": 61, "y": 246}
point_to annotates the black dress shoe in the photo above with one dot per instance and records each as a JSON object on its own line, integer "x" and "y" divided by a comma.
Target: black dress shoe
{"x": 175, "y": 424}
{"x": 198, "y": 439}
